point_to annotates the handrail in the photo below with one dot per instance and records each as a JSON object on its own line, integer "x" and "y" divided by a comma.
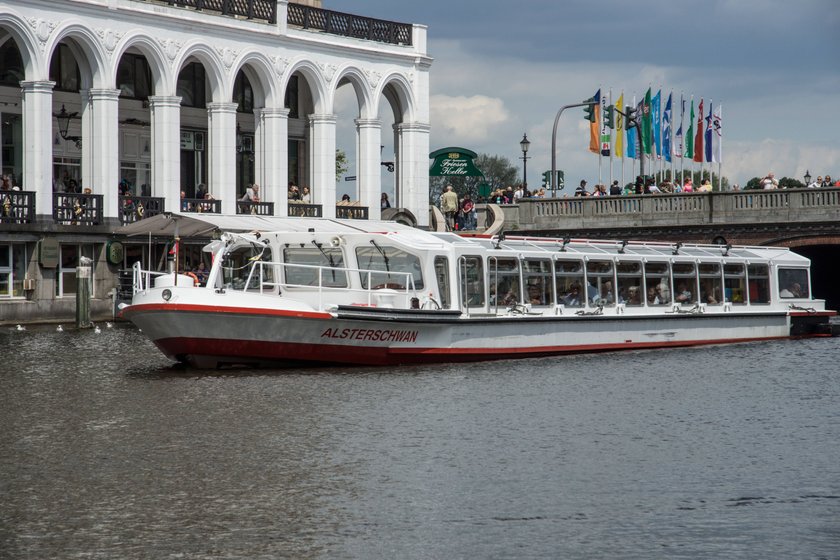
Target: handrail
{"x": 349, "y": 25}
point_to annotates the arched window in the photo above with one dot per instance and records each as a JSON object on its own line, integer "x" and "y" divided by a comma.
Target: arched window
{"x": 64, "y": 70}
{"x": 134, "y": 77}
{"x": 191, "y": 86}
{"x": 243, "y": 94}
{"x": 11, "y": 65}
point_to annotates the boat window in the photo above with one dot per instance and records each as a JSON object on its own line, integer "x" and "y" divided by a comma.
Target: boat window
{"x": 471, "y": 270}
{"x": 537, "y": 273}
{"x": 658, "y": 283}
{"x": 711, "y": 292}
{"x": 685, "y": 283}
{"x": 599, "y": 277}
{"x": 568, "y": 276}
{"x": 504, "y": 281}
{"x": 240, "y": 261}
{"x": 734, "y": 283}
{"x": 442, "y": 276}
{"x": 793, "y": 283}
{"x": 386, "y": 261}
{"x": 758, "y": 280}
{"x": 629, "y": 277}
{"x": 300, "y": 262}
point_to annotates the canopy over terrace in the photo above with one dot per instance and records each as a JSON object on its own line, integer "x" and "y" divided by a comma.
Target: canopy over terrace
{"x": 192, "y": 225}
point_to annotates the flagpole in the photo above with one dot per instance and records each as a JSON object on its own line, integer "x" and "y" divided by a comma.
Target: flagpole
{"x": 612, "y": 148}
{"x": 719, "y": 131}
{"x": 682, "y": 147}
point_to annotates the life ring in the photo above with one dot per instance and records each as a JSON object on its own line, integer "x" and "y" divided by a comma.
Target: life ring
{"x": 194, "y": 277}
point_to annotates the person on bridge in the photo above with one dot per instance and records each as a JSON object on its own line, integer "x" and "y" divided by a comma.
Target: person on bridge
{"x": 449, "y": 206}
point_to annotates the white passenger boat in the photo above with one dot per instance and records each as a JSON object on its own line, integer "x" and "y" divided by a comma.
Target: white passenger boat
{"x": 320, "y": 291}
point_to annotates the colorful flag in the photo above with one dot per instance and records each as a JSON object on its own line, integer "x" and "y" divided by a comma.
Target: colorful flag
{"x": 689, "y": 136}
{"x": 718, "y": 126}
{"x": 710, "y": 154}
{"x": 646, "y": 124}
{"x": 666, "y": 129}
{"x": 656, "y": 117}
{"x": 631, "y": 138}
{"x": 619, "y": 127}
{"x": 698, "y": 135}
{"x": 595, "y": 127}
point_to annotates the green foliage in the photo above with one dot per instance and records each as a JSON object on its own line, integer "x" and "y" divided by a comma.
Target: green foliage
{"x": 752, "y": 184}
{"x": 341, "y": 164}
{"x": 791, "y": 183}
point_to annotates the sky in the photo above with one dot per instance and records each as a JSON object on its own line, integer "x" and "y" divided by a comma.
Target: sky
{"x": 502, "y": 69}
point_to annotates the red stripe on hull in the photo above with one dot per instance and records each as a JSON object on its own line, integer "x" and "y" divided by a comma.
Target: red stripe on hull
{"x": 202, "y": 350}
{"x": 169, "y": 307}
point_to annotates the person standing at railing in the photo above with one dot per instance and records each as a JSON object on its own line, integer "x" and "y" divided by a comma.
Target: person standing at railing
{"x": 769, "y": 182}
{"x": 449, "y": 206}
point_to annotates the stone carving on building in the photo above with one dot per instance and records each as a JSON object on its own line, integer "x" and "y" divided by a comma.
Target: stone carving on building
{"x": 43, "y": 29}
{"x": 328, "y": 71}
{"x": 373, "y": 77}
{"x": 227, "y": 55}
{"x": 109, "y": 38}
{"x": 171, "y": 47}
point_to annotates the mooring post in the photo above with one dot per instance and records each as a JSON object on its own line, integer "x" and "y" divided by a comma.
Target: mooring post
{"x": 83, "y": 277}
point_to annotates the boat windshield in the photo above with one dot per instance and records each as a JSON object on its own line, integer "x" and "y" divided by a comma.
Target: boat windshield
{"x": 388, "y": 260}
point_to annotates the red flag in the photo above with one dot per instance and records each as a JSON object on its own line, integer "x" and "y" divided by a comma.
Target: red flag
{"x": 698, "y": 137}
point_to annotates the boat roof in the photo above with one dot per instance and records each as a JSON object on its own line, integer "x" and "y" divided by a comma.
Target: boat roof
{"x": 170, "y": 224}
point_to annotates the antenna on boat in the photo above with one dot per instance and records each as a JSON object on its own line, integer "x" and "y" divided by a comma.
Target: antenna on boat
{"x": 677, "y": 248}
{"x": 623, "y": 244}
{"x": 499, "y": 238}
{"x": 566, "y": 241}
{"x": 725, "y": 249}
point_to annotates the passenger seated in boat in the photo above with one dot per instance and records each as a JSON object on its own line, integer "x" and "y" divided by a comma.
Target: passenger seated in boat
{"x": 663, "y": 292}
{"x": 591, "y": 293}
{"x": 607, "y": 293}
{"x": 634, "y": 296}
{"x": 683, "y": 293}
{"x": 511, "y": 296}
{"x": 792, "y": 291}
{"x": 709, "y": 295}
{"x": 572, "y": 298}
{"x": 535, "y": 293}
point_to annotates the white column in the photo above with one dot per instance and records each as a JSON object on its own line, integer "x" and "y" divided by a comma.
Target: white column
{"x": 368, "y": 175}
{"x": 86, "y": 127}
{"x": 166, "y": 149}
{"x": 222, "y": 152}
{"x": 413, "y": 166}
{"x": 322, "y": 162}
{"x": 104, "y": 140}
{"x": 273, "y": 163}
{"x": 37, "y": 143}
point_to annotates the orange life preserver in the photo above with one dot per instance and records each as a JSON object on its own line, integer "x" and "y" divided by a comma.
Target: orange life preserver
{"x": 194, "y": 277}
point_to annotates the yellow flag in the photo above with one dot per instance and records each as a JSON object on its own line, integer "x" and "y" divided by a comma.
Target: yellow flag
{"x": 618, "y": 151}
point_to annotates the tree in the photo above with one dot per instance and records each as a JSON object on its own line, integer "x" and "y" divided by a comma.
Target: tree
{"x": 791, "y": 183}
{"x": 498, "y": 171}
{"x": 341, "y": 165}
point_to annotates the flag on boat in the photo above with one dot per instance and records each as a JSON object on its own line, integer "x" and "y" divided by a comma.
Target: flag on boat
{"x": 666, "y": 129}
{"x": 698, "y": 135}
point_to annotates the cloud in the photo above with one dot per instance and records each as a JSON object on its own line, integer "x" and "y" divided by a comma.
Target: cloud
{"x": 462, "y": 119}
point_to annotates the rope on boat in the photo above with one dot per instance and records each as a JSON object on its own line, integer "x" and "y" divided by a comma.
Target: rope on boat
{"x": 806, "y": 309}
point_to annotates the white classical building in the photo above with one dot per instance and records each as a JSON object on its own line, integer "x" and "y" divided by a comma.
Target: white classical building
{"x": 112, "y": 110}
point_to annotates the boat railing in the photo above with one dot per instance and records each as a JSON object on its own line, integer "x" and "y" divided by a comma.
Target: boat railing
{"x": 402, "y": 283}
{"x": 141, "y": 280}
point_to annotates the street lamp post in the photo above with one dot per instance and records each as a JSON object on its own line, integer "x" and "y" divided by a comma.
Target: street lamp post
{"x": 524, "y": 144}
{"x": 807, "y": 177}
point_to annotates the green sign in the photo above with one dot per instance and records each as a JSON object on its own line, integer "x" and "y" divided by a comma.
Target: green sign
{"x": 457, "y": 162}
{"x": 114, "y": 252}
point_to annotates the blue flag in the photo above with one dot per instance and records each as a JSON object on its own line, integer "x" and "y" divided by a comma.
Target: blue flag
{"x": 709, "y": 129}
{"x": 666, "y": 129}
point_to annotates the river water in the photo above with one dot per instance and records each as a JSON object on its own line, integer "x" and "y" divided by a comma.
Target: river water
{"x": 108, "y": 452}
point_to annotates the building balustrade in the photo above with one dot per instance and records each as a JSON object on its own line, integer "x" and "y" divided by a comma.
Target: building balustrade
{"x": 134, "y": 208}
{"x": 256, "y": 208}
{"x": 265, "y": 10}
{"x": 17, "y": 207}
{"x": 77, "y": 209}
{"x": 348, "y": 25}
{"x": 201, "y": 205}
{"x": 301, "y": 210}
{"x": 351, "y": 212}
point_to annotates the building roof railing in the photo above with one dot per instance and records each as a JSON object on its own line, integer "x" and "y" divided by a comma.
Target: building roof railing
{"x": 265, "y": 10}
{"x": 348, "y": 25}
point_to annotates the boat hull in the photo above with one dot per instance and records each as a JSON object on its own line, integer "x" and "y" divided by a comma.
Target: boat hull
{"x": 208, "y": 336}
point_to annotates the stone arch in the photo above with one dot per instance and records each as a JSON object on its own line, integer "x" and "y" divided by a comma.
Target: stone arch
{"x": 314, "y": 80}
{"x": 364, "y": 95}
{"x": 396, "y": 89}
{"x": 257, "y": 67}
{"x": 220, "y": 87}
{"x": 90, "y": 57}
{"x": 151, "y": 49}
{"x": 23, "y": 36}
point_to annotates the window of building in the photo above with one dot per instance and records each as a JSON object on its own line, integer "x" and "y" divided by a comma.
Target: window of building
{"x": 13, "y": 262}
{"x": 11, "y": 65}
{"x": 243, "y": 94}
{"x": 134, "y": 77}
{"x": 734, "y": 283}
{"x": 64, "y": 71}
{"x": 600, "y": 289}
{"x": 442, "y": 276}
{"x": 67, "y": 264}
{"x": 629, "y": 278}
{"x": 192, "y": 86}
{"x": 658, "y": 283}
{"x": 568, "y": 277}
{"x": 685, "y": 283}
{"x": 67, "y": 175}
{"x": 758, "y": 280}
{"x": 135, "y": 178}
{"x": 11, "y": 144}
{"x": 299, "y": 260}
{"x": 793, "y": 283}
{"x": 537, "y": 275}
{"x": 391, "y": 265}
{"x": 291, "y": 98}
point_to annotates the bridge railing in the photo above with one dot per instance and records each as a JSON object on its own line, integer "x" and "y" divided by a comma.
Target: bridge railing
{"x": 753, "y": 206}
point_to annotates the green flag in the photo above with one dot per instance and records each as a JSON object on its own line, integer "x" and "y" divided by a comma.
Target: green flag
{"x": 689, "y": 137}
{"x": 646, "y": 124}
